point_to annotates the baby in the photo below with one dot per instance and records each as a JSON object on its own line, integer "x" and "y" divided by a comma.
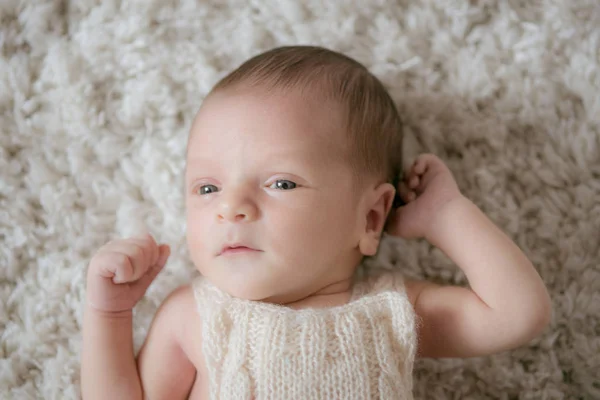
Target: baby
{"x": 292, "y": 176}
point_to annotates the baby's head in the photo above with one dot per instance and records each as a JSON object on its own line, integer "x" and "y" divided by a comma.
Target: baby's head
{"x": 293, "y": 155}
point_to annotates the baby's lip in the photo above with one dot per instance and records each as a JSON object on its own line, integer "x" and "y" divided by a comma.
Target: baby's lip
{"x": 233, "y": 246}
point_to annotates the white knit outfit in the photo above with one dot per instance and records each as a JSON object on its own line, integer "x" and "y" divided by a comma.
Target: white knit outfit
{"x": 364, "y": 349}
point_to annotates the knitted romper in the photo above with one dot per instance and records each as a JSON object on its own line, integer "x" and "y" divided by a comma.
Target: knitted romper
{"x": 364, "y": 349}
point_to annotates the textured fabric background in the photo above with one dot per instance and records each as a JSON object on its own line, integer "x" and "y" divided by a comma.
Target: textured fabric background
{"x": 96, "y": 98}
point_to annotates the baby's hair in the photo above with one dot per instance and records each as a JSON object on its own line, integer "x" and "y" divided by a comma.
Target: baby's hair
{"x": 372, "y": 120}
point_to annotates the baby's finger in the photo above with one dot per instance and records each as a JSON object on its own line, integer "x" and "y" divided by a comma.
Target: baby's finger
{"x": 420, "y": 165}
{"x": 120, "y": 245}
{"x": 142, "y": 284}
{"x": 124, "y": 271}
{"x": 165, "y": 252}
{"x": 115, "y": 266}
{"x": 137, "y": 264}
{"x": 149, "y": 246}
{"x": 414, "y": 182}
{"x": 107, "y": 263}
{"x": 409, "y": 176}
{"x": 405, "y": 193}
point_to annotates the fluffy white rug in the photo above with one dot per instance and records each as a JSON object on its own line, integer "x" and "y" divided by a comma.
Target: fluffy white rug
{"x": 96, "y": 98}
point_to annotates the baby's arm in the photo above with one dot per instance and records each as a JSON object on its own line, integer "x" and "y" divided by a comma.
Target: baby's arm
{"x": 165, "y": 370}
{"x": 118, "y": 277}
{"x": 507, "y": 304}
{"x": 108, "y": 367}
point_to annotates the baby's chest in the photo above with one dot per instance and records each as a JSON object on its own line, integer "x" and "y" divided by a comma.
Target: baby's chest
{"x": 361, "y": 356}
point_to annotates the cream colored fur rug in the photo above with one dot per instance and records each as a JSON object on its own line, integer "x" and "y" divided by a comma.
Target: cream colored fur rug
{"x": 96, "y": 98}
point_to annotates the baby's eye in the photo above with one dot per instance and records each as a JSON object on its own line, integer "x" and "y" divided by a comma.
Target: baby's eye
{"x": 207, "y": 189}
{"x": 283, "y": 184}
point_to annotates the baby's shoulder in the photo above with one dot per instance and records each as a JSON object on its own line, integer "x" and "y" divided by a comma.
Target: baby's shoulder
{"x": 180, "y": 300}
{"x": 380, "y": 279}
{"x": 185, "y": 320}
{"x": 176, "y": 313}
{"x": 384, "y": 279}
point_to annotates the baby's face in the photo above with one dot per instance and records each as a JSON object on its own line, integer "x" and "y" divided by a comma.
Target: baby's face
{"x": 266, "y": 172}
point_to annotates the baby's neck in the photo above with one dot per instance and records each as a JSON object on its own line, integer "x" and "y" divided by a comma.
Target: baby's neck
{"x": 332, "y": 295}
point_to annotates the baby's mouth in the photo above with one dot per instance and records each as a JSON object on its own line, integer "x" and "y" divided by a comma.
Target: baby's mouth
{"x": 236, "y": 249}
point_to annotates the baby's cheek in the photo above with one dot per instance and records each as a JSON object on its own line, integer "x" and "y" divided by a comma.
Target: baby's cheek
{"x": 308, "y": 233}
{"x": 196, "y": 238}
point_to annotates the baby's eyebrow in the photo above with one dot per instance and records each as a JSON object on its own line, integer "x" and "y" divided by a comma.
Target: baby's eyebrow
{"x": 271, "y": 157}
{"x": 276, "y": 157}
{"x": 198, "y": 161}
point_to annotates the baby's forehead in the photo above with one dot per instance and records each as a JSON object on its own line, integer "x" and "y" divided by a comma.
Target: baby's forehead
{"x": 307, "y": 99}
{"x": 275, "y": 119}
{"x": 203, "y": 150}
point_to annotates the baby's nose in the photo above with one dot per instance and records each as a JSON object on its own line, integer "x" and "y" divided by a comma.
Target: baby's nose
{"x": 240, "y": 211}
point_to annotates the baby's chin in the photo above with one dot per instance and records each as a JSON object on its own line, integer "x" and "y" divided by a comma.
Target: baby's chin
{"x": 245, "y": 288}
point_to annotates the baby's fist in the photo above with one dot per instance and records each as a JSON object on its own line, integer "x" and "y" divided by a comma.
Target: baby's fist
{"x": 426, "y": 189}
{"x": 121, "y": 271}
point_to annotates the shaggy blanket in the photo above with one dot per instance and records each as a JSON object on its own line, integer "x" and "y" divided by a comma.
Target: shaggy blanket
{"x": 96, "y": 98}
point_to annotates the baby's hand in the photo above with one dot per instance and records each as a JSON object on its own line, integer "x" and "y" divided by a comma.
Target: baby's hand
{"x": 121, "y": 271}
{"x": 427, "y": 188}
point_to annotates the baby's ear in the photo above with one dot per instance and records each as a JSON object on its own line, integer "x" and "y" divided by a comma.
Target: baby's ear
{"x": 379, "y": 203}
